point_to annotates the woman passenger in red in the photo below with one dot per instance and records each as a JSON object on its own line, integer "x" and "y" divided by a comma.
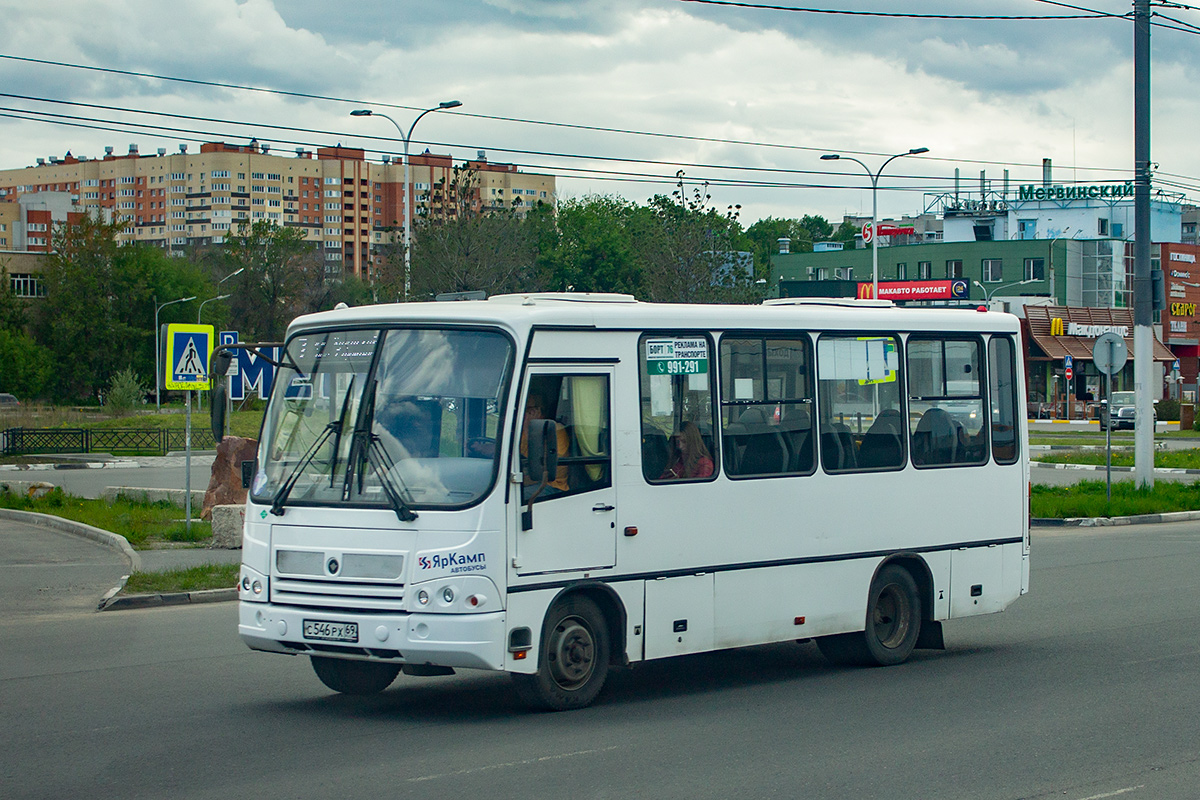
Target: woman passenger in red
{"x": 689, "y": 457}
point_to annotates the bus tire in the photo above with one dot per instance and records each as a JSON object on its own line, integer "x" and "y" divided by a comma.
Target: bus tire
{"x": 572, "y": 658}
{"x": 354, "y": 677}
{"x": 892, "y": 627}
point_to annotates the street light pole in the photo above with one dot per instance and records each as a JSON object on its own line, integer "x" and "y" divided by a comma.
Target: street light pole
{"x": 874, "y": 176}
{"x": 987, "y": 295}
{"x": 206, "y": 302}
{"x": 407, "y": 138}
{"x": 158, "y": 349}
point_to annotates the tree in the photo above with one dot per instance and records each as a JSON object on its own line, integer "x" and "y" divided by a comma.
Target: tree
{"x": 819, "y": 229}
{"x": 589, "y": 245}
{"x": 280, "y": 269}
{"x": 457, "y": 247}
{"x": 12, "y": 308}
{"x": 763, "y": 237}
{"x": 25, "y": 366}
{"x": 690, "y": 250}
{"x": 98, "y": 313}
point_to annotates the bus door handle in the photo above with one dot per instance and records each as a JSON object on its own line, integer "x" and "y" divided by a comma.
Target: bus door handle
{"x": 603, "y": 507}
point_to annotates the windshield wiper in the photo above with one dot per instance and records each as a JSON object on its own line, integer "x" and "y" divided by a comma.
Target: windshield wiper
{"x": 286, "y": 489}
{"x": 374, "y": 453}
{"x": 341, "y": 420}
{"x": 384, "y": 466}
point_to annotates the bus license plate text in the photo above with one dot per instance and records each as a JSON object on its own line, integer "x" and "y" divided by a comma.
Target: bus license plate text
{"x": 331, "y": 631}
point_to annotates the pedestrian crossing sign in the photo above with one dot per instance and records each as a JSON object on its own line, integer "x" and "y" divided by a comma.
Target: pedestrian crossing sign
{"x": 188, "y": 353}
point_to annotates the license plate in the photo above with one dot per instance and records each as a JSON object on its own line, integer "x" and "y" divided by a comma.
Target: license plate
{"x": 331, "y": 631}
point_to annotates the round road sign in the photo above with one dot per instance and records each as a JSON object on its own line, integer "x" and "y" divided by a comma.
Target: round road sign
{"x": 1070, "y": 373}
{"x": 1109, "y": 353}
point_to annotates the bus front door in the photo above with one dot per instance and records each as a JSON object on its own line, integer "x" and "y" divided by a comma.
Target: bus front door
{"x": 574, "y": 516}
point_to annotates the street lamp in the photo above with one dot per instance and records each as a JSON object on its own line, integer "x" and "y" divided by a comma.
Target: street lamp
{"x": 209, "y": 300}
{"x": 874, "y": 176}
{"x": 407, "y": 137}
{"x": 987, "y": 295}
{"x": 158, "y": 350}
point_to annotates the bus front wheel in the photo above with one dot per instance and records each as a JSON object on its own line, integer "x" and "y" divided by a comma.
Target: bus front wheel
{"x": 572, "y": 658}
{"x": 354, "y": 677}
{"x": 892, "y": 626}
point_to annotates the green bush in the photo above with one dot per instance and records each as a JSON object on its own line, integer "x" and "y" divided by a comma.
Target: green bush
{"x": 125, "y": 393}
{"x": 1168, "y": 410}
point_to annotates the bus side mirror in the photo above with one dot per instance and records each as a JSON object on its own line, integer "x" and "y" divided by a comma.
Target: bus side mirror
{"x": 221, "y": 359}
{"x": 542, "y": 440}
{"x": 216, "y": 409}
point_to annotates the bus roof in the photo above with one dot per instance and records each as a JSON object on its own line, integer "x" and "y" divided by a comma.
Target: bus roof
{"x": 624, "y": 312}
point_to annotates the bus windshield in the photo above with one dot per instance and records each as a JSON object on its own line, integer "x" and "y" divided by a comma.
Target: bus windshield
{"x": 399, "y": 417}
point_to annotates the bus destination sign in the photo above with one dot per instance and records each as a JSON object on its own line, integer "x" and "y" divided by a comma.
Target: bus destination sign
{"x": 677, "y": 356}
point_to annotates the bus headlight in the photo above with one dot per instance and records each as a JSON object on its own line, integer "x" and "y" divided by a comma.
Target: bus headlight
{"x": 457, "y": 595}
{"x": 253, "y": 585}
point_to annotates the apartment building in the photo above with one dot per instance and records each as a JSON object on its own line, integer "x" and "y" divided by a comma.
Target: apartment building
{"x": 343, "y": 203}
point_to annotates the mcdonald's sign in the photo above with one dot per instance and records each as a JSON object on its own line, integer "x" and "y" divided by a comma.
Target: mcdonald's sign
{"x": 1057, "y": 328}
{"x": 866, "y": 291}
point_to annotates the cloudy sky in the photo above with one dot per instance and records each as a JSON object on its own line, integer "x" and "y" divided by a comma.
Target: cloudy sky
{"x": 615, "y": 97}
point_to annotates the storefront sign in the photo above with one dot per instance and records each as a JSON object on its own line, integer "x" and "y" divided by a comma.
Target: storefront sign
{"x": 1086, "y": 331}
{"x": 1179, "y": 326}
{"x": 1183, "y": 309}
{"x": 1188, "y": 257}
{"x": 1106, "y": 192}
{"x": 917, "y": 290}
{"x": 1178, "y": 273}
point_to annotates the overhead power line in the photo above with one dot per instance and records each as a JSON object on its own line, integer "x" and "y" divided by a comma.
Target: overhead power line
{"x": 899, "y": 14}
{"x": 519, "y": 120}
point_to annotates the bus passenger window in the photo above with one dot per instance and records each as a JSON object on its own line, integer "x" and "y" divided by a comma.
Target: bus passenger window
{"x": 579, "y": 405}
{"x": 861, "y": 423}
{"x": 677, "y": 407}
{"x": 766, "y": 406}
{"x": 945, "y": 404}
{"x": 1002, "y": 390}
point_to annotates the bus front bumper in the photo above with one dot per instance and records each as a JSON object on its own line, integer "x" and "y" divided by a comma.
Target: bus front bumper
{"x": 472, "y": 641}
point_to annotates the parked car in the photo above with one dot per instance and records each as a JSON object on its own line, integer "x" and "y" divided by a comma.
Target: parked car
{"x": 1121, "y": 411}
{"x": 8, "y": 401}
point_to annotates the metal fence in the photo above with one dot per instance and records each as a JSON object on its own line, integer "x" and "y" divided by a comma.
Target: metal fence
{"x": 36, "y": 441}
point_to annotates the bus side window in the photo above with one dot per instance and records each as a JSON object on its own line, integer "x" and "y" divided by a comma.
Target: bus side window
{"x": 1002, "y": 391}
{"x": 945, "y": 403}
{"x": 858, "y": 381}
{"x": 675, "y": 382}
{"x": 766, "y": 402}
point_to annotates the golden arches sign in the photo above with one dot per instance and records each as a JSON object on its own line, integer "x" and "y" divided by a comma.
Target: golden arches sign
{"x": 1056, "y": 326}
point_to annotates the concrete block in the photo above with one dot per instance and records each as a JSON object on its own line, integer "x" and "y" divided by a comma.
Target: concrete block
{"x": 27, "y": 488}
{"x": 227, "y": 522}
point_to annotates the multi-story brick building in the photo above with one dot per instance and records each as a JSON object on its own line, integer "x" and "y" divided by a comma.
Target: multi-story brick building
{"x": 344, "y": 204}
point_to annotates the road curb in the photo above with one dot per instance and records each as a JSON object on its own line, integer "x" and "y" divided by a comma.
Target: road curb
{"x": 123, "y": 464}
{"x": 1094, "y": 467}
{"x": 102, "y": 537}
{"x": 135, "y": 601}
{"x": 1105, "y": 522}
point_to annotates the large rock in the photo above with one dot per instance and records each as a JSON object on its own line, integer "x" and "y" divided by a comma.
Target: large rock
{"x": 227, "y": 522}
{"x": 225, "y": 483}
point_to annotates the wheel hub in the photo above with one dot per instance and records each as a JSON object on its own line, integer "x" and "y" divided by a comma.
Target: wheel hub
{"x": 572, "y": 653}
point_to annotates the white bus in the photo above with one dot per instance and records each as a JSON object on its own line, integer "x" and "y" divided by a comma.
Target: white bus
{"x": 555, "y": 484}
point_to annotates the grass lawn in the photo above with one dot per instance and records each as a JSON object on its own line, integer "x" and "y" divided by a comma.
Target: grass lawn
{"x": 143, "y": 524}
{"x": 1163, "y": 459}
{"x": 1087, "y": 499}
{"x": 192, "y": 579}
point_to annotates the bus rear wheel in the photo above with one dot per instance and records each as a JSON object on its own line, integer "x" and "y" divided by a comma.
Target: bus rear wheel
{"x": 893, "y": 624}
{"x": 572, "y": 658}
{"x": 354, "y": 677}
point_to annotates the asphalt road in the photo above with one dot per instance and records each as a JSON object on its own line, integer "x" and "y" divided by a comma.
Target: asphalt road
{"x": 1087, "y": 688}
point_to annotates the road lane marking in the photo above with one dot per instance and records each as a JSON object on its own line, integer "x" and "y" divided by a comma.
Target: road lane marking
{"x": 1114, "y": 794}
{"x": 509, "y": 764}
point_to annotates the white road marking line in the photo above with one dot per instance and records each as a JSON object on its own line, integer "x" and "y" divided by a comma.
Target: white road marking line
{"x": 508, "y": 764}
{"x": 1114, "y": 794}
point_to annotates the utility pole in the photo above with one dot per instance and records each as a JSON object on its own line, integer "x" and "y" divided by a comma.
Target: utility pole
{"x": 1143, "y": 316}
